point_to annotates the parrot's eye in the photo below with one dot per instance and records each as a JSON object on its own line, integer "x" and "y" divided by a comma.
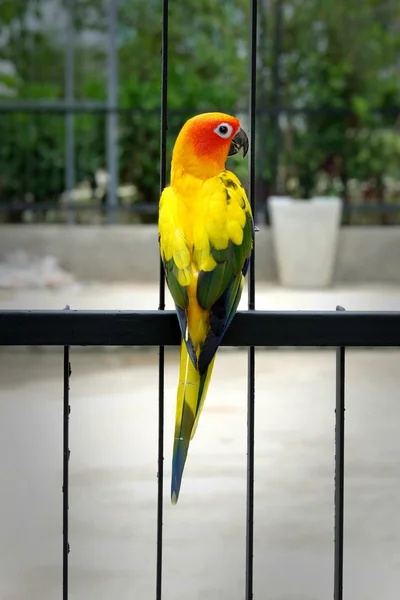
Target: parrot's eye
{"x": 224, "y": 130}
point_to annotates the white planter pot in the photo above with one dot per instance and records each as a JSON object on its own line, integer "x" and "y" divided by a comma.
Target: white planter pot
{"x": 305, "y": 234}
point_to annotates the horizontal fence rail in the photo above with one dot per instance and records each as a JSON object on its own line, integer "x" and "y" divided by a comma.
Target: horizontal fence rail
{"x": 152, "y": 208}
{"x": 155, "y": 328}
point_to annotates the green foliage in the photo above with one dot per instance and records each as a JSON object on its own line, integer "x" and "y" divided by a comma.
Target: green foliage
{"x": 205, "y": 73}
{"x": 338, "y": 71}
{"x": 32, "y": 142}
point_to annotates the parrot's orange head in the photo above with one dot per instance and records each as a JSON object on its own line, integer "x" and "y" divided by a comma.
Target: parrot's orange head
{"x": 205, "y": 142}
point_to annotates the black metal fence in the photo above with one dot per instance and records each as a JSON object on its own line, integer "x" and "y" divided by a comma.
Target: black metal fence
{"x": 252, "y": 328}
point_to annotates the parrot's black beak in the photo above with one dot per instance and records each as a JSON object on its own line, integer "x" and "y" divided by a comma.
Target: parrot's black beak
{"x": 239, "y": 141}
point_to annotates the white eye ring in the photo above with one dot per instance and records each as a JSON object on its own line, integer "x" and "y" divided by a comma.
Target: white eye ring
{"x": 224, "y": 130}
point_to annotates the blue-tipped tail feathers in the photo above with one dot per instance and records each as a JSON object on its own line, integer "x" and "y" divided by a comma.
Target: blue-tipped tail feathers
{"x": 192, "y": 390}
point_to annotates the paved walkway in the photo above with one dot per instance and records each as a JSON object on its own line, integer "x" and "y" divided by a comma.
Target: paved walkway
{"x": 114, "y": 477}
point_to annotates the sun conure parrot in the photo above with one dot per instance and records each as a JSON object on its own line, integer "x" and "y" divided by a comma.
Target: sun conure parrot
{"x": 206, "y": 236}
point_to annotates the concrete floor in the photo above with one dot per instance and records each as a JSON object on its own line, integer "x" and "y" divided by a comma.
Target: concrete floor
{"x": 114, "y": 478}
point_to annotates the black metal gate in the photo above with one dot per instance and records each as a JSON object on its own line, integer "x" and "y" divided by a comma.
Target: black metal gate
{"x": 252, "y": 328}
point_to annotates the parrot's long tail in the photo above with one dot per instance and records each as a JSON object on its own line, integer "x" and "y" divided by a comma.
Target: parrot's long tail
{"x": 192, "y": 390}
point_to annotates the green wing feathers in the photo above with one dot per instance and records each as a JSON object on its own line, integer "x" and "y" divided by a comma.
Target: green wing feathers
{"x": 219, "y": 290}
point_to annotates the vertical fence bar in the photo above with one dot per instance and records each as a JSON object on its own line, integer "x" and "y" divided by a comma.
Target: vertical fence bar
{"x": 112, "y": 114}
{"x": 251, "y": 306}
{"x": 163, "y": 172}
{"x": 66, "y": 411}
{"x": 339, "y": 470}
{"x": 69, "y": 116}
